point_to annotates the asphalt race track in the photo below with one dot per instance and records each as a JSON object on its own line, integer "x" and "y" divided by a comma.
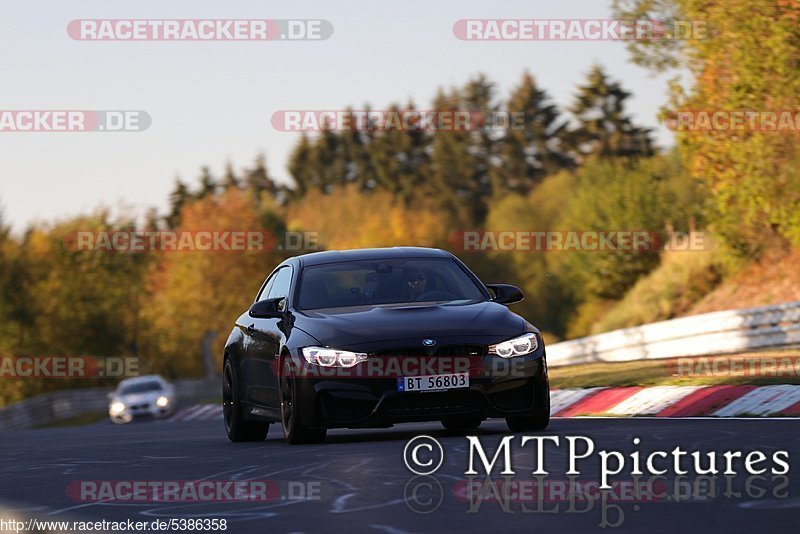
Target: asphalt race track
{"x": 358, "y": 480}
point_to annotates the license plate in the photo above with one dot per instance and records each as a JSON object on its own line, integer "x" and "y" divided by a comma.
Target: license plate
{"x": 433, "y": 382}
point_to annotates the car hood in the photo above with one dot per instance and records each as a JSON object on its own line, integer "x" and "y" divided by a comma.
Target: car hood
{"x": 345, "y": 327}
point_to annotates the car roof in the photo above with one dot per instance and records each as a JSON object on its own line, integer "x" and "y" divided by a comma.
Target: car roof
{"x": 137, "y": 379}
{"x": 335, "y": 256}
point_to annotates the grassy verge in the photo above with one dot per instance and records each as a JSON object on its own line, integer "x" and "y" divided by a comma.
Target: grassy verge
{"x": 79, "y": 420}
{"x": 757, "y": 368}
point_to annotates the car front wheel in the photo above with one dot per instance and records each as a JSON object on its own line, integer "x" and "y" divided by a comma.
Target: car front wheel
{"x": 462, "y": 424}
{"x": 294, "y": 432}
{"x": 529, "y": 423}
{"x": 236, "y": 426}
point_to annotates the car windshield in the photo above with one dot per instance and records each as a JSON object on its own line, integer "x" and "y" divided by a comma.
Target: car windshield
{"x": 141, "y": 387}
{"x": 385, "y": 281}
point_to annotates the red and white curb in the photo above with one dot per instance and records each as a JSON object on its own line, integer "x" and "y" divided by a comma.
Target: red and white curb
{"x": 636, "y": 401}
{"x": 678, "y": 401}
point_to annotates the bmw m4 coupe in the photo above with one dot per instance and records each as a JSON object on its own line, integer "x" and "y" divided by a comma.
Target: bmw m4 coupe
{"x": 374, "y": 337}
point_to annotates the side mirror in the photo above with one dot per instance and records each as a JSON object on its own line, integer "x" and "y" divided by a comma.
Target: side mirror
{"x": 274, "y": 308}
{"x": 505, "y": 293}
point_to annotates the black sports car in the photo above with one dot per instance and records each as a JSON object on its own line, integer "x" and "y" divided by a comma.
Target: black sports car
{"x": 373, "y": 337}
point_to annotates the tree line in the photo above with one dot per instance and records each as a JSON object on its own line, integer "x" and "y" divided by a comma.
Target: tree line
{"x": 589, "y": 167}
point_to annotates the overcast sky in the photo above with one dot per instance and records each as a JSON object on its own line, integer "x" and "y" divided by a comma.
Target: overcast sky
{"x": 211, "y": 102}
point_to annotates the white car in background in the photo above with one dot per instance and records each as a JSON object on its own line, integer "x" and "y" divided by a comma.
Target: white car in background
{"x": 143, "y": 396}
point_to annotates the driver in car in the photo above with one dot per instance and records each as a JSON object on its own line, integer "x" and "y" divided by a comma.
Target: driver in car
{"x": 416, "y": 282}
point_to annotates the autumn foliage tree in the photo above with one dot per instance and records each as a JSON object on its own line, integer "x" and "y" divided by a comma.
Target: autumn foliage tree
{"x": 190, "y": 293}
{"x": 746, "y": 60}
{"x": 351, "y": 218}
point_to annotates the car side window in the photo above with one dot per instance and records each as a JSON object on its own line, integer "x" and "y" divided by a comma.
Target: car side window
{"x": 262, "y": 295}
{"x": 280, "y": 286}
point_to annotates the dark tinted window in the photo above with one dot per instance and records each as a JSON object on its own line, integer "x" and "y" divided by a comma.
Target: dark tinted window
{"x": 364, "y": 283}
{"x": 141, "y": 387}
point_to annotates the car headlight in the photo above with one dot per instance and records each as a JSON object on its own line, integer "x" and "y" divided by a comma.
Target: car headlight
{"x": 515, "y": 347}
{"x": 162, "y": 401}
{"x": 116, "y": 408}
{"x": 327, "y": 357}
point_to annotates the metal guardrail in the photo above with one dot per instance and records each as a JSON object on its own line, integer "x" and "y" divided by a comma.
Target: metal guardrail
{"x": 60, "y": 405}
{"x": 724, "y": 332}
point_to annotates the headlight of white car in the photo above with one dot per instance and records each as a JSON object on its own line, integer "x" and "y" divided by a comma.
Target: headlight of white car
{"x": 162, "y": 401}
{"x": 116, "y": 408}
{"x": 515, "y": 347}
{"x": 328, "y": 357}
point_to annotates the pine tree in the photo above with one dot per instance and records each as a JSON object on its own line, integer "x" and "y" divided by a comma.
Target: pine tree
{"x": 151, "y": 219}
{"x": 208, "y": 187}
{"x": 300, "y": 167}
{"x": 533, "y": 146}
{"x": 356, "y": 146}
{"x": 329, "y": 160}
{"x": 395, "y": 160}
{"x": 258, "y": 181}
{"x": 603, "y": 128}
{"x": 478, "y": 98}
{"x": 455, "y": 170}
{"x": 177, "y": 199}
{"x": 230, "y": 180}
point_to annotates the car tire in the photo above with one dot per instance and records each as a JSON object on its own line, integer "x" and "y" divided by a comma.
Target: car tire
{"x": 462, "y": 424}
{"x": 293, "y": 432}
{"x": 529, "y": 423}
{"x": 236, "y": 426}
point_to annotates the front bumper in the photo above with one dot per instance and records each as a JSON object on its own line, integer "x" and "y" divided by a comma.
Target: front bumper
{"x": 375, "y": 402}
{"x": 141, "y": 410}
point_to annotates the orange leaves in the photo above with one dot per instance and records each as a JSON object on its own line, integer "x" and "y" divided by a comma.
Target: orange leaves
{"x": 194, "y": 291}
{"x": 349, "y": 218}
